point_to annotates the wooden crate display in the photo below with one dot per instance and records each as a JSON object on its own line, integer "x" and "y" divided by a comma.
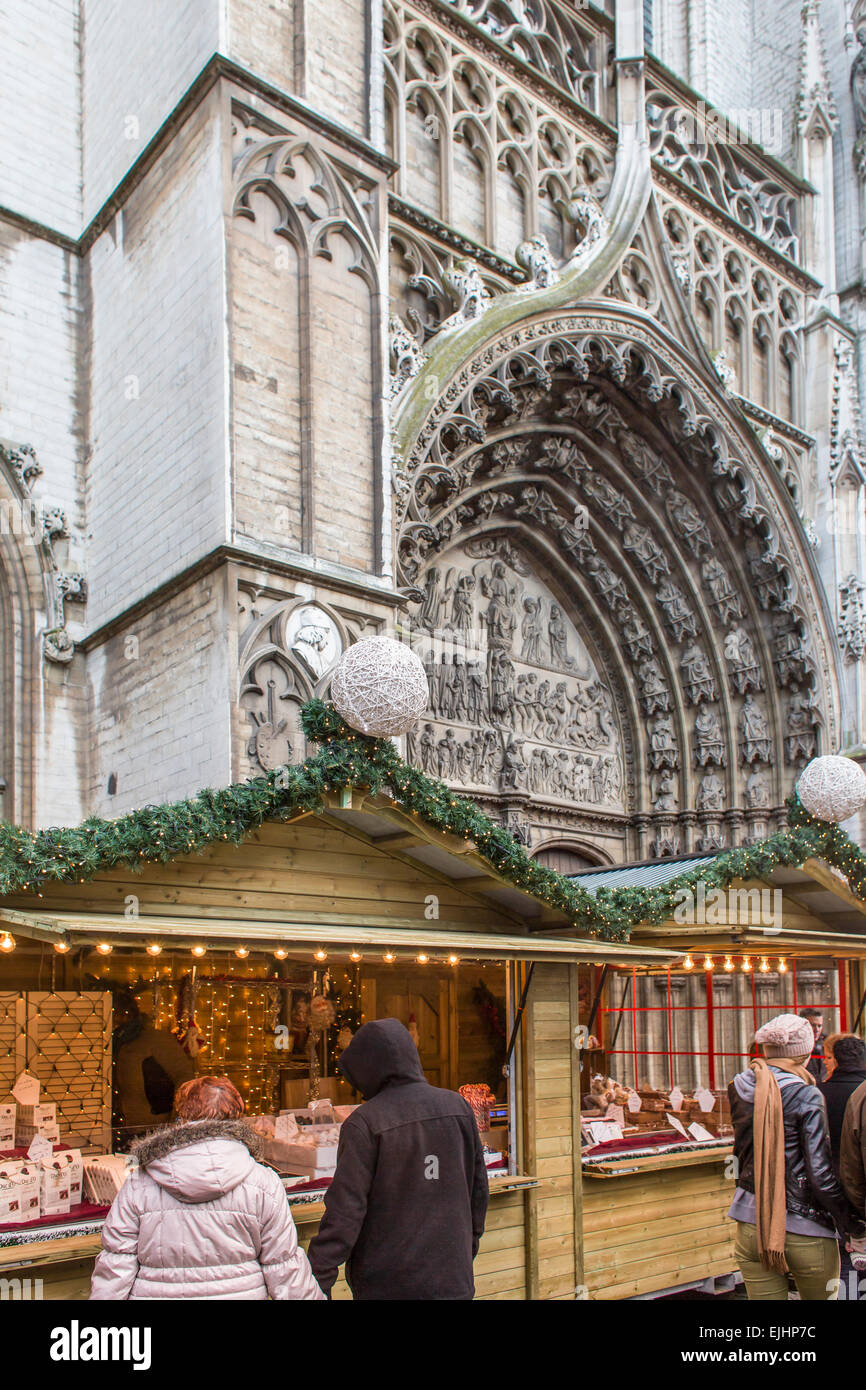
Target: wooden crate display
{"x": 63, "y": 1039}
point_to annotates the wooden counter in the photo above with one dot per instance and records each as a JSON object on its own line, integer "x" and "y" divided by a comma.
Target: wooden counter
{"x": 64, "y": 1265}
{"x": 657, "y": 1226}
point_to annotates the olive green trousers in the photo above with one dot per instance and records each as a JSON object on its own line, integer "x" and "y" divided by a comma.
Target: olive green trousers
{"x": 812, "y": 1260}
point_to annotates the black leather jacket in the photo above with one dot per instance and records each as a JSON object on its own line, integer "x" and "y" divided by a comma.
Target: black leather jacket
{"x": 812, "y": 1189}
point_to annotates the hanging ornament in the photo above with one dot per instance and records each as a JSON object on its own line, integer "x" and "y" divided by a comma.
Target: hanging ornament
{"x": 380, "y": 687}
{"x": 344, "y": 1037}
{"x": 413, "y": 1031}
{"x": 322, "y": 1013}
{"x": 832, "y": 787}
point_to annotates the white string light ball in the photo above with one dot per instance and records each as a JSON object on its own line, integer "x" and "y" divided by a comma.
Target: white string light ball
{"x": 380, "y": 687}
{"x": 832, "y": 788}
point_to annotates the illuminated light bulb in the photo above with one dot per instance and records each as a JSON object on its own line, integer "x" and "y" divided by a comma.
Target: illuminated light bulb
{"x": 61, "y": 947}
{"x": 709, "y": 963}
{"x": 281, "y": 953}
{"x": 389, "y": 956}
{"x": 453, "y": 960}
{"x": 104, "y": 948}
{"x": 321, "y": 955}
{"x": 355, "y": 955}
{"x": 747, "y": 965}
{"x": 7, "y": 942}
{"x": 422, "y": 959}
{"x": 242, "y": 952}
{"x": 783, "y": 966}
{"x": 154, "y": 949}
{"x": 729, "y": 964}
{"x": 199, "y": 950}
{"x": 765, "y": 965}
{"x": 688, "y": 963}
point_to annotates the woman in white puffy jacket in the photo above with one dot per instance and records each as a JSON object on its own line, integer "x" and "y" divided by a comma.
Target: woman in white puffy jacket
{"x": 199, "y": 1217}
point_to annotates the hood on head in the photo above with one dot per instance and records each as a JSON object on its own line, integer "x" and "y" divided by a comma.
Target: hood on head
{"x": 380, "y": 1054}
{"x": 201, "y": 1160}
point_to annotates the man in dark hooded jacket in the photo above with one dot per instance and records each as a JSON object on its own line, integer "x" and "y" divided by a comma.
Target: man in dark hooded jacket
{"x": 406, "y": 1208}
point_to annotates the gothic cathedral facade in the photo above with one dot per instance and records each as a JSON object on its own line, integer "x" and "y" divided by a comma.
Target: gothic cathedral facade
{"x": 529, "y": 331}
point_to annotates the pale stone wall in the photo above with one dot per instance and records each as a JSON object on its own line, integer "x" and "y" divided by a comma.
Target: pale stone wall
{"x": 161, "y": 698}
{"x": 157, "y": 482}
{"x": 136, "y": 65}
{"x": 40, "y": 99}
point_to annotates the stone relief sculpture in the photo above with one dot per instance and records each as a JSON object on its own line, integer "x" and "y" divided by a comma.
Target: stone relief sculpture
{"x": 288, "y": 650}
{"x": 515, "y": 703}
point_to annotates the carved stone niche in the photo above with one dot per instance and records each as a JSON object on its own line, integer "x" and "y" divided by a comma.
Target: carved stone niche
{"x": 517, "y": 704}
{"x": 289, "y": 647}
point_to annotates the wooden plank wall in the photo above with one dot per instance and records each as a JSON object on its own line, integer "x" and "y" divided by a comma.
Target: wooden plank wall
{"x": 550, "y": 1084}
{"x": 500, "y": 1268}
{"x": 657, "y": 1230}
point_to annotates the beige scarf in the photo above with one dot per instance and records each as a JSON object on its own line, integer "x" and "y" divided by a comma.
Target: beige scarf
{"x": 769, "y": 1141}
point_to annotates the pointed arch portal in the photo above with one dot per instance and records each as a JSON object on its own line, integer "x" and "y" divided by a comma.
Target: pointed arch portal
{"x": 612, "y": 592}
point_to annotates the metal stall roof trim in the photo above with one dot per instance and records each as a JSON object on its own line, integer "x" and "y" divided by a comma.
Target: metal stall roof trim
{"x": 221, "y": 933}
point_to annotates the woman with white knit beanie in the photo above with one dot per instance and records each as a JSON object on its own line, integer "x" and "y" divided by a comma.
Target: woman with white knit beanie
{"x": 789, "y": 1203}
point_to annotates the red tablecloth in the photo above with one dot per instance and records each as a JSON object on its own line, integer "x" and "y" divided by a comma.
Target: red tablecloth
{"x": 85, "y": 1211}
{"x": 644, "y": 1141}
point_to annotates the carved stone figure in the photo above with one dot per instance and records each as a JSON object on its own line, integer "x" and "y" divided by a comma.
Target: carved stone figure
{"x": 663, "y": 744}
{"x": 680, "y": 618}
{"x": 501, "y": 677}
{"x": 755, "y": 741}
{"x": 698, "y": 681}
{"x": 557, "y": 636}
{"x": 852, "y": 609}
{"x": 688, "y": 522}
{"x": 427, "y": 749}
{"x": 648, "y": 554}
{"x": 709, "y": 740}
{"x": 650, "y": 467}
{"x": 430, "y": 614}
{"x": 711, "y": 792}
{"x": 464, "y": 286}
{"x": 574, "y": 535}
{"x": 563, "y": 456}
{"x": 500, "y": 617}
{"x": 789, "y": 652}
{"x": 534, "y": 257}
{"x": 447, "y": 754}
{"x": 513, "y": 774}
{"x": 742, "y": 662}
{"x": 462, "y": 616}
{"x": 537, "y": 504}
{"x": 532, "y": 630}
{"x": 802, "y": 721}
{"x": 609, "y": 500}
{"x": 655, "y": 695}
{"x": 665, "y": 798}
{"x": 723, "y": 597}
{"x": 635, "y": 633}
{"x": 757, "y": 790}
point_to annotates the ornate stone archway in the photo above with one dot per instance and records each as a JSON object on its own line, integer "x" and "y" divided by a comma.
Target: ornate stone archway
{"x": 612, "y": 590}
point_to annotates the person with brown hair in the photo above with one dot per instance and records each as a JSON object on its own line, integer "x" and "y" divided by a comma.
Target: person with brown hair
{"x": 789, "y": 1203}
{"x": 199, "y": 1217}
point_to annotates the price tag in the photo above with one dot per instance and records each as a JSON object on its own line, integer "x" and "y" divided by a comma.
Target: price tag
{"x": 285, "y": 1127}
{"x": 706, "y": 1100}
{"x": 615, "y": 1114}
{"x": 699, "y": 1132}
{"x": 603, "y": 1133}
{"x": 40, "y": 1148}
{"x": 26, "y": 1089}
{"x": 676, "y": 1098}
{"x": 633, "y": 1102}
{"x": 677, "y": 1124}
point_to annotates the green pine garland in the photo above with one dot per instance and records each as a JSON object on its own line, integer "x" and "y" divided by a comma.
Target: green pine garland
{"x": 31, "y": 859}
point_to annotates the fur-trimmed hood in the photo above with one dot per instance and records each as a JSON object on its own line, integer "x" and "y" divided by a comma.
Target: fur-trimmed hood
{"x": 199, "y": 1160}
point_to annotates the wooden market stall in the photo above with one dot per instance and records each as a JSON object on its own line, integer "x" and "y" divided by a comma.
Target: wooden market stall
{"x": 227, "y": 932}
{"x": 654, "y": 1210}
